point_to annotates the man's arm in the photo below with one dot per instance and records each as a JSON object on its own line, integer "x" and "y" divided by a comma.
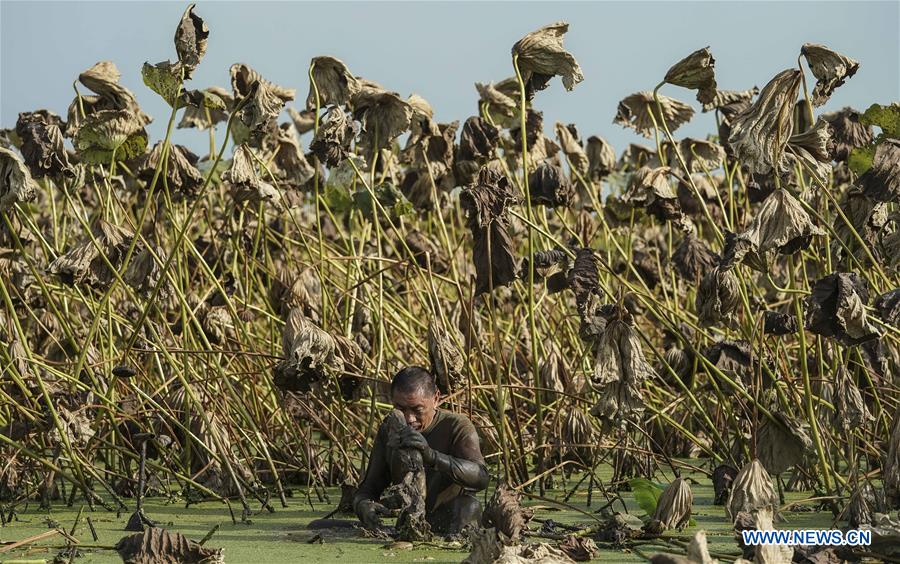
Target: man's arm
{"x": 465, "y": 463}
{"x": 365, "y": 502}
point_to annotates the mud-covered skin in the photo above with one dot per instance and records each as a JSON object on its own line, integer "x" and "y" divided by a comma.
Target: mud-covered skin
{"x": 457, "y": 469}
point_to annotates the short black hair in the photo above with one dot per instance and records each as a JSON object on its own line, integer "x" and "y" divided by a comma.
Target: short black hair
{"x": 413, "y": 379}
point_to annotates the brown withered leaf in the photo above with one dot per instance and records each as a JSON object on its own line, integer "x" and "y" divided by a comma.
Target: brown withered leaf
{"x": 549, "y": 186}
{"x": 505, "y": 513}
{"x": 569, "y": 142}
{"x": 16, "y": 183}
{"x": 781, "y": 444}
{"x": 485, "y": 204}
{"x": 579, "y": 549}
{"x": 650, "y": 188}
{"x": 332, "y": 141}
{"x": 447, "y": 360}
{"x": 850, "y": 411}
{"x": 811, "y": 149}
{"x": 244, "y": 181}
{"x": 541, "y": 56}
{"x": 696, "y": 72}
{"x": 191, "y": 37}
{"x": 103, "y": 79}
{"x": 697, "y": 553}
{"x": 619, "y": 371}
{"x": 718, "y": 296}
{"x": 847, "y": 132}
{"x": 759, "y": 134}
{"x": 693, "y": 258}
{"x": 84, "y": 263}
{"x": 777, "y": 323}
{"x": 181, "y": 173}
{"x": 501, "y": 107}
{"x": 601, "y": 157}
{"x": 639, "y": 111}
{"x": 106, "y": 133}
{"x": 42, "y": 144}
{"x": 201, "y": 116}
{"x": 888, "y": 306}
{"x": 673, "y": 508}
{"x": 728, "y": 101}
{"x": 699, "y": 155}
{"x": 159, "y": 546}
{"x": 829, "y": 67}
{"x": 751, "y": 491}
{"x": 490, "y": 546}
{"x": 722, "y": 478}
{"x": 289, "y": 164}
{"x": 383, "y": 116}
{"x": 836, "y": 308}
{"x": 265, "y": 100}
{"x": 882, "y": 181}
{"x": 334, "y": 82}
{"x": 781, "y": 225}
{"x": 310, "y": 355}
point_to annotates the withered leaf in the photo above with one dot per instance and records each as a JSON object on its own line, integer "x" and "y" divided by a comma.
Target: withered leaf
{"x": 829, "y": 67}
{"x": 505, "y": 513}
{"x": 718, "y": 296}
{"x": 836, "y": 308}
{"x": 696, "y": 72}
{"x": 191, "y": 37}
{"x": 447, "y": 360}
{"x": 42, "y": 144}
{"x": 751, "y": 491}
{"x": 541, "y": 56}
{"x": 673, "y": 508}
{"x": 16, "y": 183}
{"x": 159, "y": 546}
{"x": 84, "y": 263}
{"x": 882, "y": 181}
{"x": 549, "y": 186}
{"x": 759, "y": 134}
{"x": 640, "y": 111}
{"x": 781, "y": 443}
{"x": 333, "y": 81}
{"x": 485, "y": 204}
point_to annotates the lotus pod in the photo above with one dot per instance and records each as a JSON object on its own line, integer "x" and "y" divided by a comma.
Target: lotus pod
{"x": 751, "y": 491}
{"x": 505, "y": 513}
{"x": 159, "y": 546}
{"x": 447, "y": 361}
{"x": 673, "y": 509}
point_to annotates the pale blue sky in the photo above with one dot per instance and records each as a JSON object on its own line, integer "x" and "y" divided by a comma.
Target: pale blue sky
{"x": 440, "y": 49}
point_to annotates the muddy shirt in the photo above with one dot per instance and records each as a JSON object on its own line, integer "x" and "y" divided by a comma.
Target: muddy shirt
{"x": 449, "y": 433}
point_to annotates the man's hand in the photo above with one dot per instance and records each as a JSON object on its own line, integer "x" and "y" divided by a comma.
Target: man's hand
{"x": 370, "y": 513}
{"x": 410, "y": 438}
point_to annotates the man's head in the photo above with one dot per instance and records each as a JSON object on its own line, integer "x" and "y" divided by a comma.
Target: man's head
{"x": 414, "y": 393}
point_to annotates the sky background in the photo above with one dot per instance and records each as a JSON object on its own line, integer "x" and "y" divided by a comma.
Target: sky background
{"x": 439, "y": 50}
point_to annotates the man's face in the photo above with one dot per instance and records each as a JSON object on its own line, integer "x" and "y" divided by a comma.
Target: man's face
{"x": 418, "y": 407}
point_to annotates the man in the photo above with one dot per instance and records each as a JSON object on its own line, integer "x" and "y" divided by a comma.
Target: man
{"x": 450, "y": 450}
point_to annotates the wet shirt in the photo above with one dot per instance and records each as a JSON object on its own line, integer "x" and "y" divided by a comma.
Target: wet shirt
{"x": 449, "y": 433}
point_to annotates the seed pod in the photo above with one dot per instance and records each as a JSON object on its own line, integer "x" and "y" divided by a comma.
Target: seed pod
{"x": 673, "y": 509}
{"x": 751, "y": 491}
